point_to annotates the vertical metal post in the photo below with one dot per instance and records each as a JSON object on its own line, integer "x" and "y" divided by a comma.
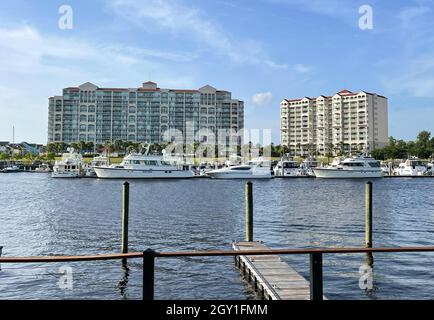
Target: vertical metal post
{"x": 1, "y": 251}
{"x": 125, "y": 214}
{"x": 249, "y": 212}
{"x": 148, "y": 274}
{"x": 316, "y": 281}
{"x": 368, "y": 215}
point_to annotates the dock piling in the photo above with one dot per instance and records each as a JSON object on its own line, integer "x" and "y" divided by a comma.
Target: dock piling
{"x": 316, "y": 277}
{"x": 148, "y": 274}
{"x": 368, "y": 222}
{"x": 368, "y": 213}
{"x": 125, "y": 214}
{"x": 249, "y": 212}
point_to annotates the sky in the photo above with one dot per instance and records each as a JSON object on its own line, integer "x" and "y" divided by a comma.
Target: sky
{"x": 261, "y": 50}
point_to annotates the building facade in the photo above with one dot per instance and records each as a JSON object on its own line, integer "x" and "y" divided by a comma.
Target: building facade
{"x": 344, "y": 123}
{"x": 92, "y": 114}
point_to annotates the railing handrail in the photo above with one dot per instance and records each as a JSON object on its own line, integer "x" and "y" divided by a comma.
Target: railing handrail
{"x": 213, "y": 253}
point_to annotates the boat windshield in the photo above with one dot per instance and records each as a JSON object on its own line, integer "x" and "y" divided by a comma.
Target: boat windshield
{"x": 289, "y": 165}
{"x": 415, "y": 163}
{"x": 240, "y": 168}
{"x": 374, "y": 164}
{"x": 352, "y": 164}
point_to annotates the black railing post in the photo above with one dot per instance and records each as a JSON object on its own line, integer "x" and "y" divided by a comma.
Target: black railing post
{"x": 316, "y": 281}
{"x": 148, "y": 274}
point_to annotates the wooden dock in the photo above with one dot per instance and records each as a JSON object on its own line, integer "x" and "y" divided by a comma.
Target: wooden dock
{"x": 272, "y": 278}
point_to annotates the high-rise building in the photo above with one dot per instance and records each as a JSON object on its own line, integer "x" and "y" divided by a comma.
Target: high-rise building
{"x": 92, "y": 114}
{"x": 345, "y": 122}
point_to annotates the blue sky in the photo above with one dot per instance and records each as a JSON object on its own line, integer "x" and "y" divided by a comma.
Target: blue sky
{"x": 261, "y": 50}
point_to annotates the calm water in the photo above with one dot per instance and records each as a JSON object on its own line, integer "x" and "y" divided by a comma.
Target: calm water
{"x": 43, "y": 216}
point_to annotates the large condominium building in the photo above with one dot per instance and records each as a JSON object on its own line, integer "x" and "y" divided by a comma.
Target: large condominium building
{"x": 92, "y": 114}
{"x": 345, "y": 122}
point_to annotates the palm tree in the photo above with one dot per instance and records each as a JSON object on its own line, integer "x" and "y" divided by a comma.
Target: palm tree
{"x": 108, "y": 146}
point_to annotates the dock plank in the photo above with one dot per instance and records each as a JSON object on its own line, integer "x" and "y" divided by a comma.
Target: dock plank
{"x": 272, "y": 275}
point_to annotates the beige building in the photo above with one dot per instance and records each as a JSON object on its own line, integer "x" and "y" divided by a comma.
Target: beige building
{"x": 346, "y": 122}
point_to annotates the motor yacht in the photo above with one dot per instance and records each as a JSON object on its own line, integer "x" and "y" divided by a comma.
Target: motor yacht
{"x": 142, "y": 166}
{"x": 253, "y": 169}
{"x": 411, "y": 167}
{"x": 287, "y": 167}
{"x": 356, "y": 167}
{"x": 70, "y": 166}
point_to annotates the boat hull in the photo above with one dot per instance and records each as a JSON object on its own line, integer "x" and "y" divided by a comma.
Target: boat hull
{"x": 324, "y": 173}
{"x": 65, "y": 175}
{"x": 121, "y": 173}
{"x": 237, "y": 175}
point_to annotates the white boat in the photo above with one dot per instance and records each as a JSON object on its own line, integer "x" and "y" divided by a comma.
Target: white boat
{"x": 253, "y": 169}
{"x": 411, "y": 167}
{"x": 70, "y": 166}
{"x": 43, "y": 168}
{"x": 287, "y": 167}
{"x": 307, "y": 166}
{"x": 12, "y": 169}
{"x": 140, "y": 166}
{"x": 356, "y": 167}
{"x": 99, "y": 161}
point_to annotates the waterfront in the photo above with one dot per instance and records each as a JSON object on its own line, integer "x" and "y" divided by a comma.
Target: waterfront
{"x": 41, "y": 216}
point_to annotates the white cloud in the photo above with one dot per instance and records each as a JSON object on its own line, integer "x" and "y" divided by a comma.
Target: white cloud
{"x": 346, "y": 10}
{"x": 409, "y": 14}
{"x": 37, "y": 66}
{"x": 180, "y": 19}
{"x": 262, "y": 99}
{"x": 301, "y": 68}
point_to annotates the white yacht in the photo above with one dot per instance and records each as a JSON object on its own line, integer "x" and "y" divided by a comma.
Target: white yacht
{"x": 43, "y": 168}
{"x": 70, "y": 166}
{"x": 307, "y": 166}
{"x": 12, "y": 169}
{"x": 140, "y": 166}
{"x": 287, "y": 167}
{"x": 253, "y": 169}
{"x": 411, "y": 167}
{"x": 99, "y": 161}
{"x": 356, "y": 167}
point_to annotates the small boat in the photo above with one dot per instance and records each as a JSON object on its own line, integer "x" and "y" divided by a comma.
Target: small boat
{"x": 12, "y": 169}
{"x": 142, "y": 166}
{"x": 71, "y": 165}
{"x": 411, "y": 167}
{"x": 287, "y": 167}
{"x": 99, "y": 161}
{"x": 43, "y": 168}
{"x": 353, "y": 168}
{"x": 253, "y": 169}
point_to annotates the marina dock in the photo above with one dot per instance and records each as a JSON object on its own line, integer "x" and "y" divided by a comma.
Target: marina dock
{"x": 270, "y": 276}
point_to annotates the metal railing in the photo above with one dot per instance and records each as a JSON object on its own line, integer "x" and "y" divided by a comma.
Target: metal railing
{"x": 149, "y": 256}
